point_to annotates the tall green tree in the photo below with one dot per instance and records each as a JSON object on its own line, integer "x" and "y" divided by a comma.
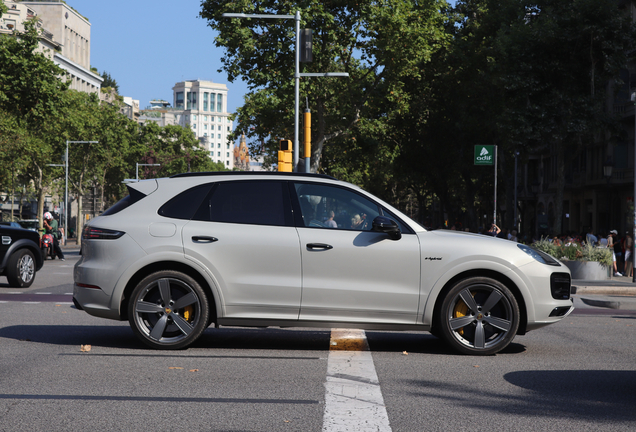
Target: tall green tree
{"x": 109, "y": 81}
{"x": 556, "y": 60}
{"x": 32, "y": 93}
{"x": 377, "y": 43}
{"x": 175, "y": 148}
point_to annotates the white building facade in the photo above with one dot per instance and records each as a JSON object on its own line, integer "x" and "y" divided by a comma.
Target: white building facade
{"x": 73, "y": 32}
{"x": 204, "y": 105}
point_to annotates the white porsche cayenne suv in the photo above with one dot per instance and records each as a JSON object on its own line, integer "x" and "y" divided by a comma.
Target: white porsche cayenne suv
{"x": 300, "y": 250}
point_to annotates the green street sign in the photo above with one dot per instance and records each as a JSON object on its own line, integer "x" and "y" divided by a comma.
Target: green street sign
{"x": 484, "y": 155}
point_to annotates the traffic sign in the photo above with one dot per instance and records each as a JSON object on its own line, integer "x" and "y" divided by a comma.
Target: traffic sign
{"x": 484, "y": 155}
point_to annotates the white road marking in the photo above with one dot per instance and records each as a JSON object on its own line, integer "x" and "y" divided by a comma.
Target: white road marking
{"x": 353, "y": 398}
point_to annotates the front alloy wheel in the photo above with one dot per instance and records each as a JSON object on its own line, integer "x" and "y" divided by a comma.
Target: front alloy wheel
{"x": 21, "y": 269}
{"x": 479, "y": 316}
{"x": 168, "y": 310}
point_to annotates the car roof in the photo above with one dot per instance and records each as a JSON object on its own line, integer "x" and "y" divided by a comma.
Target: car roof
{"x": 251, "y": 173}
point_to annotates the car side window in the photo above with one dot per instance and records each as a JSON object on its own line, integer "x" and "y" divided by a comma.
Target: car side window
{"x": 246, "y": 202}
{"x": 331, "y": 207}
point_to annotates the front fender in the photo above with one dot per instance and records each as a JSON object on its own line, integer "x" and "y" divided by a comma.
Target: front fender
{"x": 472, "y": 267}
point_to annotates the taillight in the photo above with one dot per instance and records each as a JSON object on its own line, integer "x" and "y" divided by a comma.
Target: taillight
{"x": 93, "y": 233}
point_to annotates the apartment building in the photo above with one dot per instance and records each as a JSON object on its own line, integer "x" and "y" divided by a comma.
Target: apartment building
{"x": 13, "y": 20}
{"x": 65, "y": 32}
{"x": 203, "y": 107}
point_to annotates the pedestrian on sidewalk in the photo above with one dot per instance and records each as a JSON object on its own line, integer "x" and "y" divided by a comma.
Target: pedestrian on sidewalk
{"x": 610, "y": 245}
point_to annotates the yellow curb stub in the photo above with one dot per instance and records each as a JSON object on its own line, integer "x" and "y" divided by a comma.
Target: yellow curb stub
{"x": 348, "y": 340}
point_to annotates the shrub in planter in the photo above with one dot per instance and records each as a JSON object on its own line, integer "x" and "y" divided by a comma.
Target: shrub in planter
{"x": 576, "y": 252}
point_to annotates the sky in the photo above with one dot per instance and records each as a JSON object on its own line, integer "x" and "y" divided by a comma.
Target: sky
{"x": 147, "y": 46}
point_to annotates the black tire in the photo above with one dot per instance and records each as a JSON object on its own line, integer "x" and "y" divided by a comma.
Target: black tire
{"x": 168, "y": 310}
{"x": 21, "y": 269}
{"x": 479, "y": 316}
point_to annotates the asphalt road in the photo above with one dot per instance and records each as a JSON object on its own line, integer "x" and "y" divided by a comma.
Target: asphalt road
{"x": 576, "y": 375}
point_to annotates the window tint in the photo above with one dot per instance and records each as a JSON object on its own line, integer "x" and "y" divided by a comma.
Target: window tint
{"x": 186, "y": 203}
{"x": 246, "y": 202}
{"x": 334, "y": 207}
{"x": 126, "y": 201}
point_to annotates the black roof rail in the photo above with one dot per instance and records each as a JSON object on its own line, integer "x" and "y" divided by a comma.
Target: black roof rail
{"x": 256, "y": 173}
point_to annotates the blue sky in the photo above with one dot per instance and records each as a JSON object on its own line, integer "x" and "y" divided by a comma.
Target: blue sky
{"x": 148, "y": 46}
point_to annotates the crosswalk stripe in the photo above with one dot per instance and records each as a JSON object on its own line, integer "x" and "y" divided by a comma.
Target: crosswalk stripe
{"x": 353, "y": 397}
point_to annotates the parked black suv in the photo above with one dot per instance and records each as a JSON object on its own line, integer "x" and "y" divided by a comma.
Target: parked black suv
{"x": 20, "y": 255}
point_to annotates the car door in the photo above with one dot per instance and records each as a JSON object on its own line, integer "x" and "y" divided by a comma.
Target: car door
{"x": 244, "y": 235}
{"x": 350, "y": 273}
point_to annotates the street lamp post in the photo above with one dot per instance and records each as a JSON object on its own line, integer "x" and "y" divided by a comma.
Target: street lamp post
{"x": 297, "y": 73}
{"x": 137, "y": 169}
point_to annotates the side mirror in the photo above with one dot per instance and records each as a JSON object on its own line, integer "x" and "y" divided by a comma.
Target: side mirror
{"x": 385, "y": 225}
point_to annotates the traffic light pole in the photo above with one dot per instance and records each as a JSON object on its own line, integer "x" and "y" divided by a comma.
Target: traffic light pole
{"x": 297, "y": 75}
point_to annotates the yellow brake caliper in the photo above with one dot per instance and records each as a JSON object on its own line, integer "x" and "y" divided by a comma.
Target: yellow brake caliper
{"x": 187, "y": 313}
{"x": 461, "y": 309}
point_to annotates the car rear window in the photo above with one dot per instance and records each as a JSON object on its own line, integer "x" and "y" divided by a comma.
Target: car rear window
{"x": 125, "y": 202}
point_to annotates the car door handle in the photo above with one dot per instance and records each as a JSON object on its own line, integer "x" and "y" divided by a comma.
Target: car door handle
{"x": 204, "y": 239}
{"x": 322, "y": 246}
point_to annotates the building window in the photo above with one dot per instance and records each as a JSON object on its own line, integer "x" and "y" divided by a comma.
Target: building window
{"x": 219, "y": 136}
{"x": 219, "y": 154}
{"x": 188, "y": 100}
{"x": 205, "y": 117}
{"x": 218, "y": 145}
{"x": 219, "y": 103}
{"x": 228, "y": 129}
{"x": 194, "y": 117}
{"x": 219, "y": 127}
{"x": 205, "y": 103}
{"x": 212, "y": 96}
{"x": 227, "y": 146}
{"x": 179, "y": 100}
{"x": 227, "y": 154}
{"x": 205, "y": 134}
{"x": 227, "y": 162}
{"x": 205, "y": 127}
{"x": 194, "y": 101}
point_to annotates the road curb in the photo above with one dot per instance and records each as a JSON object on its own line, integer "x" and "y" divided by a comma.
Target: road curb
{"x": 606, "y": 290}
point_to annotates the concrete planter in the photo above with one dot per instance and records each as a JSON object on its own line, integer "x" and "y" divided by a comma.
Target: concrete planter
{"x": 587, "y": 270}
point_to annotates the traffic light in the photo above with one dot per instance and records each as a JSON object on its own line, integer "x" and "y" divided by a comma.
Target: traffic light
{"x": 306, "y": 39}
{"x": 285, "y": 160}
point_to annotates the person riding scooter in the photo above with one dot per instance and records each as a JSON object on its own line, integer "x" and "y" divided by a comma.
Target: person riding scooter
{"x": 50, "y": 225}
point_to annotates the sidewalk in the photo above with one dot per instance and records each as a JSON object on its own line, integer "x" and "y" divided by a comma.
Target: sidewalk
{"x": 619, "y": 285}
{"x": 70, "y": 244}
{"x": 615, "y": 293}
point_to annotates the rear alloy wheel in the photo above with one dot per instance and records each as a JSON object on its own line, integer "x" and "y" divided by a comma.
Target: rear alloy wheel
{"x": 21, "y": 269}
{"x": 168, "y": 310}
{"x": 479, "y": 316}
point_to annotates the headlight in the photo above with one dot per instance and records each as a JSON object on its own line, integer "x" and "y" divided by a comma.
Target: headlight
{"x": 542, "y": 257}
